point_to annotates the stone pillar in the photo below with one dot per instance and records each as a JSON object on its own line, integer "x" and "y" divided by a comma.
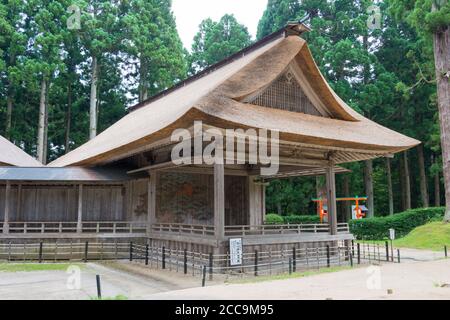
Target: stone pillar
{"x": 80, "y": 209}
{"x": 331, "y": 199}
{"x": 151, "y": 202}
{"x": 219, "y": 200}
{"x": 7, "y": 207}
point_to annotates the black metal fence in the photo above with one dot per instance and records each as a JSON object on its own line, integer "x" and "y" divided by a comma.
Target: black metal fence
{"x": 264, "y": 262}
{"x": 254, "y": 263}
{"x": 64, "y": 251}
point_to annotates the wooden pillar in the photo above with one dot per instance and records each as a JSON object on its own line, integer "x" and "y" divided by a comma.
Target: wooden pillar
{"x": 19, "y": 204}
{"x": 7, "y": 207}
{"x": 219, "y": 200}
{"x": 151, "y": 202}
{"x": 331, "y": 199}
{"x": 263, "y": 204}
{"x": 256, "y": 198}
{"x": 80, "y": 209}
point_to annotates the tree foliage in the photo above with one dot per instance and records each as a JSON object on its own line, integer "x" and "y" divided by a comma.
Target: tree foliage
{"x": 136, "y": 45}
{"x": 216, "y": 41}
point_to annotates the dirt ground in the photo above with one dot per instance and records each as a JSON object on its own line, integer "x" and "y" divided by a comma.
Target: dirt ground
{"x": 419, "y": 280}
{"x": 131, "y": 281}
{"x": 417, "y": 277}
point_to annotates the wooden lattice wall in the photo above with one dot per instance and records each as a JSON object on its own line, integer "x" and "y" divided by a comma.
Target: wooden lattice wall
{"x": 285, "y": 93}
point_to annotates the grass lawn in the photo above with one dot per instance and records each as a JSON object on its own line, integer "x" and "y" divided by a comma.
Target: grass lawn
{"x": 432, "y": 236}
{"x": 30, "y": 267}
{"x": 290, "y": 276}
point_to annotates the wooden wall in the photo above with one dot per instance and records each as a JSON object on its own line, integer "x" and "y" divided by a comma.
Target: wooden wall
{"x": 189, "y": 199}
{"x": 136, "y": 200}
{"x": 53, "y": 203}
{"x": 103, "y": 203}
{"x": 180, "y": 198}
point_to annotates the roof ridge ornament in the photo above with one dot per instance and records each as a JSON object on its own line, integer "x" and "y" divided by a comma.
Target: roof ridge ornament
{"x": 297, "y": 28}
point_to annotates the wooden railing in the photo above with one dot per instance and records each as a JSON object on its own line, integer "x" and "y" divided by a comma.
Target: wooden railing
{"x": 124, "y": 227}
{"x": 282, "y": 229}
{"x": 72, "y": 227}
{"x": 183, "y": 229}
{"x": 245, "y": 230}
{"x": 343, "y": 228}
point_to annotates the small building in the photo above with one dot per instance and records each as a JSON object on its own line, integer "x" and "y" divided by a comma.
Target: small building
{"x": 126, "y": 183}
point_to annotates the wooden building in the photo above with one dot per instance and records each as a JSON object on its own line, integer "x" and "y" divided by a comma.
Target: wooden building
{"x": 124, "y": 183}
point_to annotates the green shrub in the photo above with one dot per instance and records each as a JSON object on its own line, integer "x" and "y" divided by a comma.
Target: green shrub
{"x": 378, "y": 228}
{"x": 273, "y": 218}
{"x": 296, "y": 219}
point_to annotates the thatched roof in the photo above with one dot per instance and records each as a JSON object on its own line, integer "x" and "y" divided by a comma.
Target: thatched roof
{"x": 11, "y": 155}
{"x": 219, "y": 97}
{"x": 71, "y": 174}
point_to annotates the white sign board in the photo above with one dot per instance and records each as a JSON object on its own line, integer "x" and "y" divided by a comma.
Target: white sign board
{"x": 354, "y": 213}
{"x": 236, "y": 252}
{"x": 392, "y": 234}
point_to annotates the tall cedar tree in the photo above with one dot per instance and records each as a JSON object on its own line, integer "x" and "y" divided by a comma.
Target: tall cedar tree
{"x": 431, "y": 18}
{"x": 154, "y": 49}
{"x": 216, "y": 41}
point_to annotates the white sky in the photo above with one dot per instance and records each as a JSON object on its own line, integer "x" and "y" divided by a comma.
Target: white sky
{"x": 190, "y": 13}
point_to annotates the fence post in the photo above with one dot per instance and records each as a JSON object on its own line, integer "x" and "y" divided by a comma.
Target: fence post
{"x": 256, "y": 263}
{"x": 211, "y": 262}
{"x": 86, "y": 248}
{"x": 398, "y": 255}
{"x": 290, "y": 265}
{"x": 445, "y": 250}
{"x": 185, "y": 262}
{"x": 350, "y": 257}
{"x": 163, "y": 258}
{"x": 387, "y": 251}
{"x": 358, "y": 250}
{"x": 99, "y": 289}
{"x": 328, "y": 255}
{"x": 353, "y": 247}
{"x": 131, "y": 251}
{"x": 146, "y": 254}
{"x": 294, "y": 260}
{"x": 40, "y": 252}
{"x": 203, "y": 276}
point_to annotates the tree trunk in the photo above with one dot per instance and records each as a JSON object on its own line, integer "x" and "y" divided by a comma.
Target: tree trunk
{"x": 401, "y": 178}
{"x": 389, "y": 185}
{"x": 9, "y": 108}
{"x": 68, "y": 117}
{"x": 437, "y": 190}
{"x": 441, "y": 41}
{"x": 44, "y": 161}
{"x": 407, "y": 181}
{"x": 279, "y": 208}
{"x": 41, "y": 126}
{"x": 346, "y": 189}
{"x": 9, "y": 101}
{"x": 423, "y": 178}
{"x": 143, "y": 85}
{"x": 368, "y": 183}
{"x": 93, "y": 99}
